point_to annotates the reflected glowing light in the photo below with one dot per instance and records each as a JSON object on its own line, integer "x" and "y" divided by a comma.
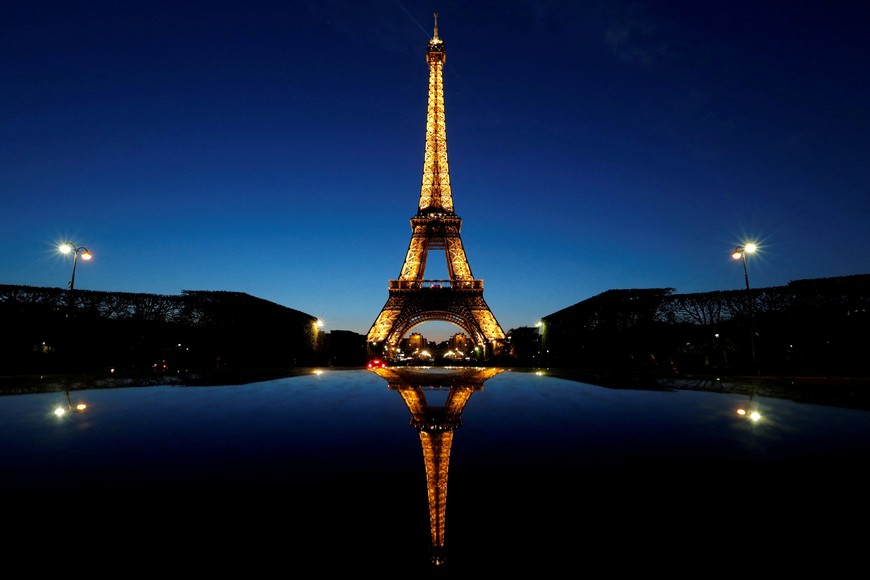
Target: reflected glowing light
{"x": 61, "y": 411}
{"x": 752, "y": 415}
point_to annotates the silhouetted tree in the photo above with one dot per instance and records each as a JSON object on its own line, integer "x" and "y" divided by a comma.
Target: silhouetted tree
{"x": 524, "y": 345}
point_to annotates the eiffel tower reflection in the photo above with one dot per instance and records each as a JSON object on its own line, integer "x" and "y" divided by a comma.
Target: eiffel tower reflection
{"x": 435, "y": 425}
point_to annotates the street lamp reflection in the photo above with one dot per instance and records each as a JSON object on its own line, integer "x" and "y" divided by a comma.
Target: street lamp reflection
{"x": 78, "y": 407}
{"x": 747, "y": 411}
{"x": 749, "y": 414}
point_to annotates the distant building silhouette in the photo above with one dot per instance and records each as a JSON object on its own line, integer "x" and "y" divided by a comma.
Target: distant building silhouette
{"x": 815, "y": 326}
{"x": 53, "y": 330}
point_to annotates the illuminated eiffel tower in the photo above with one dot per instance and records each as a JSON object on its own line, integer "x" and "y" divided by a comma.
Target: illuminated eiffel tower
{"x": 412, "y": 299}
{"x": 435, "y": 425}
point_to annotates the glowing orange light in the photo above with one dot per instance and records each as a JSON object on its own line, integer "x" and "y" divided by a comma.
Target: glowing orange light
{"x": 741, "y": 251}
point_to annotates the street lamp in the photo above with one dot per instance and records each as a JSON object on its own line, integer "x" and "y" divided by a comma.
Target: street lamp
{"x": 69, "y": 247}
{"x": 739, "y": 253}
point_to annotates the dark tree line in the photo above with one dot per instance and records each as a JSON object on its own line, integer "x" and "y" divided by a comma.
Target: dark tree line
{"x": 47, "y": 330}
{"x": 807, "y": 327}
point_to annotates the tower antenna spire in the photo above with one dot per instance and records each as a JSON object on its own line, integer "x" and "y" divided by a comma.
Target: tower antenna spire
{"x": 435, "y": 37}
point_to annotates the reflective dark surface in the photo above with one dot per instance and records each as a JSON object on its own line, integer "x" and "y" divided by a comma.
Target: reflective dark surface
{"x": 327, "y": 473}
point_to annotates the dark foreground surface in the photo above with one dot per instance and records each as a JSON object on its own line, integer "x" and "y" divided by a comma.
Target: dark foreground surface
{"x": 323, "y": 474}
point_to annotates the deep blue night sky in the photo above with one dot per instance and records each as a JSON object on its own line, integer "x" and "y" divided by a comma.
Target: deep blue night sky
{"x": 276, "y": 148}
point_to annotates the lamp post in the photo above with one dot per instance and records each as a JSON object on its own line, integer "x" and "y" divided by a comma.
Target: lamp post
{"x": 69, "y": 247}
{"x": 739, "y": 253}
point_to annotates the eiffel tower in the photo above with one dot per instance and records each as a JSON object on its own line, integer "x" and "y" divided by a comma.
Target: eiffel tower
{"x": 435, "y": 426}
{"x": 412, "y": 299}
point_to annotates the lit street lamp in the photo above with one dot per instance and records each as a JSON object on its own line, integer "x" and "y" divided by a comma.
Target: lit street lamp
{"x": 739, "y": 253}
{"x": 69, "y": 247}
